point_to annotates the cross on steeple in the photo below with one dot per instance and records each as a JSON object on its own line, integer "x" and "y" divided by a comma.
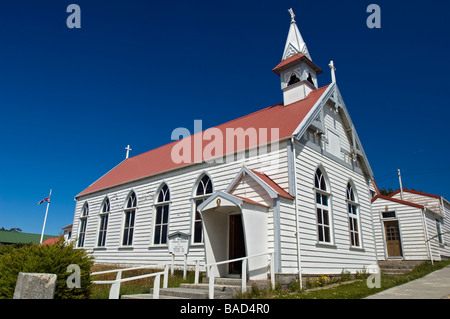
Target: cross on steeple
{"x": 128, "y": 151}
{"x": 292, "y": 15}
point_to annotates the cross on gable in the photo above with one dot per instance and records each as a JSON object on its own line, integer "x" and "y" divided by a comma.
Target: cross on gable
{"x": 333, "y": 72}
{"x": 128, "y": 151}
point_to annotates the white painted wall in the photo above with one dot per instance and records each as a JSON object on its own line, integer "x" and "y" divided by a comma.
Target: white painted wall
{"x": 442, "y": 209}
{"x": 411, "y": 225}
{"x": 332, "y": 259}
{"x": 181, "y": 183}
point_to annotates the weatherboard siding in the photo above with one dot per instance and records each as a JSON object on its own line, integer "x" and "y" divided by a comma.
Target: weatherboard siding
{"x": 339, "y": 255}
{"x": 442, "y": 210}
{"x": 445, "y": 250}
{"x": 181, "y": 183}
{"x": 411, "y": 225}
{"x": 430, "y": 202}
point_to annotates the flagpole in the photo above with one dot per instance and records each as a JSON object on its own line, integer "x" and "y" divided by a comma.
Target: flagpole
{"x": 45, "y": 218}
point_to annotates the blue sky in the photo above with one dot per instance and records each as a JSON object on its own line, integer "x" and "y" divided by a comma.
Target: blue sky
{"x": 72, "y": 99}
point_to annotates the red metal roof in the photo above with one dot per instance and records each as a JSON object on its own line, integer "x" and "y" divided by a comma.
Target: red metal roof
{"x": 284, "y": 118}
{"x": 50, "y": 241}
{"x": 292, "y": 60}
{"x": 266, "y": 179}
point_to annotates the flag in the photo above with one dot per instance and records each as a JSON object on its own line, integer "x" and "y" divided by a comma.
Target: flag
{"x": 44, "y": 200}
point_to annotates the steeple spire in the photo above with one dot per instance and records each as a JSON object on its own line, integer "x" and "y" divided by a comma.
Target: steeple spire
{"x": 294, "y": 43}
{"x": 298, "y": 74}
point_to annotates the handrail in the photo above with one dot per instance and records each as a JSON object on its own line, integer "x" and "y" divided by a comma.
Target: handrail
{"x": 119, "y": 269}
{"x": 237, "y": 259}
{"x": 210, "y": 269}
{"x": 114, "y": 291}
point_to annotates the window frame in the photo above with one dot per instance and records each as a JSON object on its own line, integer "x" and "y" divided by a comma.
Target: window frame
{"x": 440, "y": 235}
{"x": 83, "y": 225}
{"x": 164, "y": 207}
{"x": 129, "y": 214}
{"x": 323, "y": 191}
{"x": 353, "y": 213}
{"x": 196, "y": 201}
{"x": 103, "y": 222}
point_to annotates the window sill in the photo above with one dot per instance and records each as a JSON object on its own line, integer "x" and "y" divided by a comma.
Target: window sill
{"x": 158, "y": 246}
{"x": 126, "y": 248}
{"x": 326, "y": 245}
{"x": 356, "y": 249}
{"x": 197, "y": 244}
{"x": 99, "y": 248}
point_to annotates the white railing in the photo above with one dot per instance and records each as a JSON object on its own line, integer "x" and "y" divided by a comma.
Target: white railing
{"x": 210, "y": 268}
{"x": 114, "y": 292}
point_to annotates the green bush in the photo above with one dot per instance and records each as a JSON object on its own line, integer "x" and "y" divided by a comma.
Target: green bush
{"x": 52, "y": 259}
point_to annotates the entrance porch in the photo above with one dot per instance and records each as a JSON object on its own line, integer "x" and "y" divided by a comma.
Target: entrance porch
{"x": 235, "y": 227}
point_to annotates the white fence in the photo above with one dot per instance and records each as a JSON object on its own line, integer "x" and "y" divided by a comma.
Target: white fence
{"x": 114, "y": 292}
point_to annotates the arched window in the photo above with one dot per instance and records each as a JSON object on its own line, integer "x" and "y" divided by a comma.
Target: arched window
{"x": 203, "y": 191}
{"x": 104, "y": 215}
{"x": 83, "y": 224}
{"x": 162, "y": 216}
{"x": 322, "y": 207}
{"x": 293, "y": 79}
{"x": 353, "y": 217}
{"x": 130, "y": 214}
{"x": 310, "y": 80}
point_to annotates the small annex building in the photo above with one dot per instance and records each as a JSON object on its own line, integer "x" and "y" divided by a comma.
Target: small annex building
{"x": 412, "y": 225}
{"x": 298, "y": 184}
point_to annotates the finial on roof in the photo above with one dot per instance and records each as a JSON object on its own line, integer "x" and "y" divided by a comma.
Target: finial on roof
{"x": 292, "y": 15}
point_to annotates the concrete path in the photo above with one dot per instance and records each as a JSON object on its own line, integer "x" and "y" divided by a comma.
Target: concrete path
{"x": 433, "y": 286}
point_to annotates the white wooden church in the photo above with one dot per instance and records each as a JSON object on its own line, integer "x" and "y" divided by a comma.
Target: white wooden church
{"x": 298, "y": 184}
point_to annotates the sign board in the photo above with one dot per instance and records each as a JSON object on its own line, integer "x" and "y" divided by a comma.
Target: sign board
{"x": 179, "y": 243}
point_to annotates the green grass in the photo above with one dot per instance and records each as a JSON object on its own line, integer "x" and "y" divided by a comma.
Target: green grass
{"x": 355, "y": 290}
{"x": 140, "y": 286}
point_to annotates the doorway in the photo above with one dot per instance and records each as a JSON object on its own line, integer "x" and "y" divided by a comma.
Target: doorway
{"x": 236, "y": 243}
{"x": 393, "y": 241}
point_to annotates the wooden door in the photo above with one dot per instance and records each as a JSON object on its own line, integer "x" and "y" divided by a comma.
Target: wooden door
{"x": 236, "y": 243}
{"x": 393, "y": 242}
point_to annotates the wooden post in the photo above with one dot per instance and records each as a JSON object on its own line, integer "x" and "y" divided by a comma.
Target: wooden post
{"x": 197, "y": 266}
{"x": 211, "y": 282}
{"x": 244, "y": 276}
{"x": 114, "y": 292}
{"x": 184, "y": 267}
{"x": 173, "y": 265}
{"x": 272, "y": 269}
{"x": 156, "y": 287}
{"x": 166, "y": 276}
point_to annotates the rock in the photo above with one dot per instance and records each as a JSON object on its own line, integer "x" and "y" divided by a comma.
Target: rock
{"x": 35, "y": 286}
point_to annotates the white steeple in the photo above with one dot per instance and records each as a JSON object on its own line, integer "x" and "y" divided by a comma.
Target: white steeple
{"x": 294, "y": 43}
{"x": 298, "y": 74}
